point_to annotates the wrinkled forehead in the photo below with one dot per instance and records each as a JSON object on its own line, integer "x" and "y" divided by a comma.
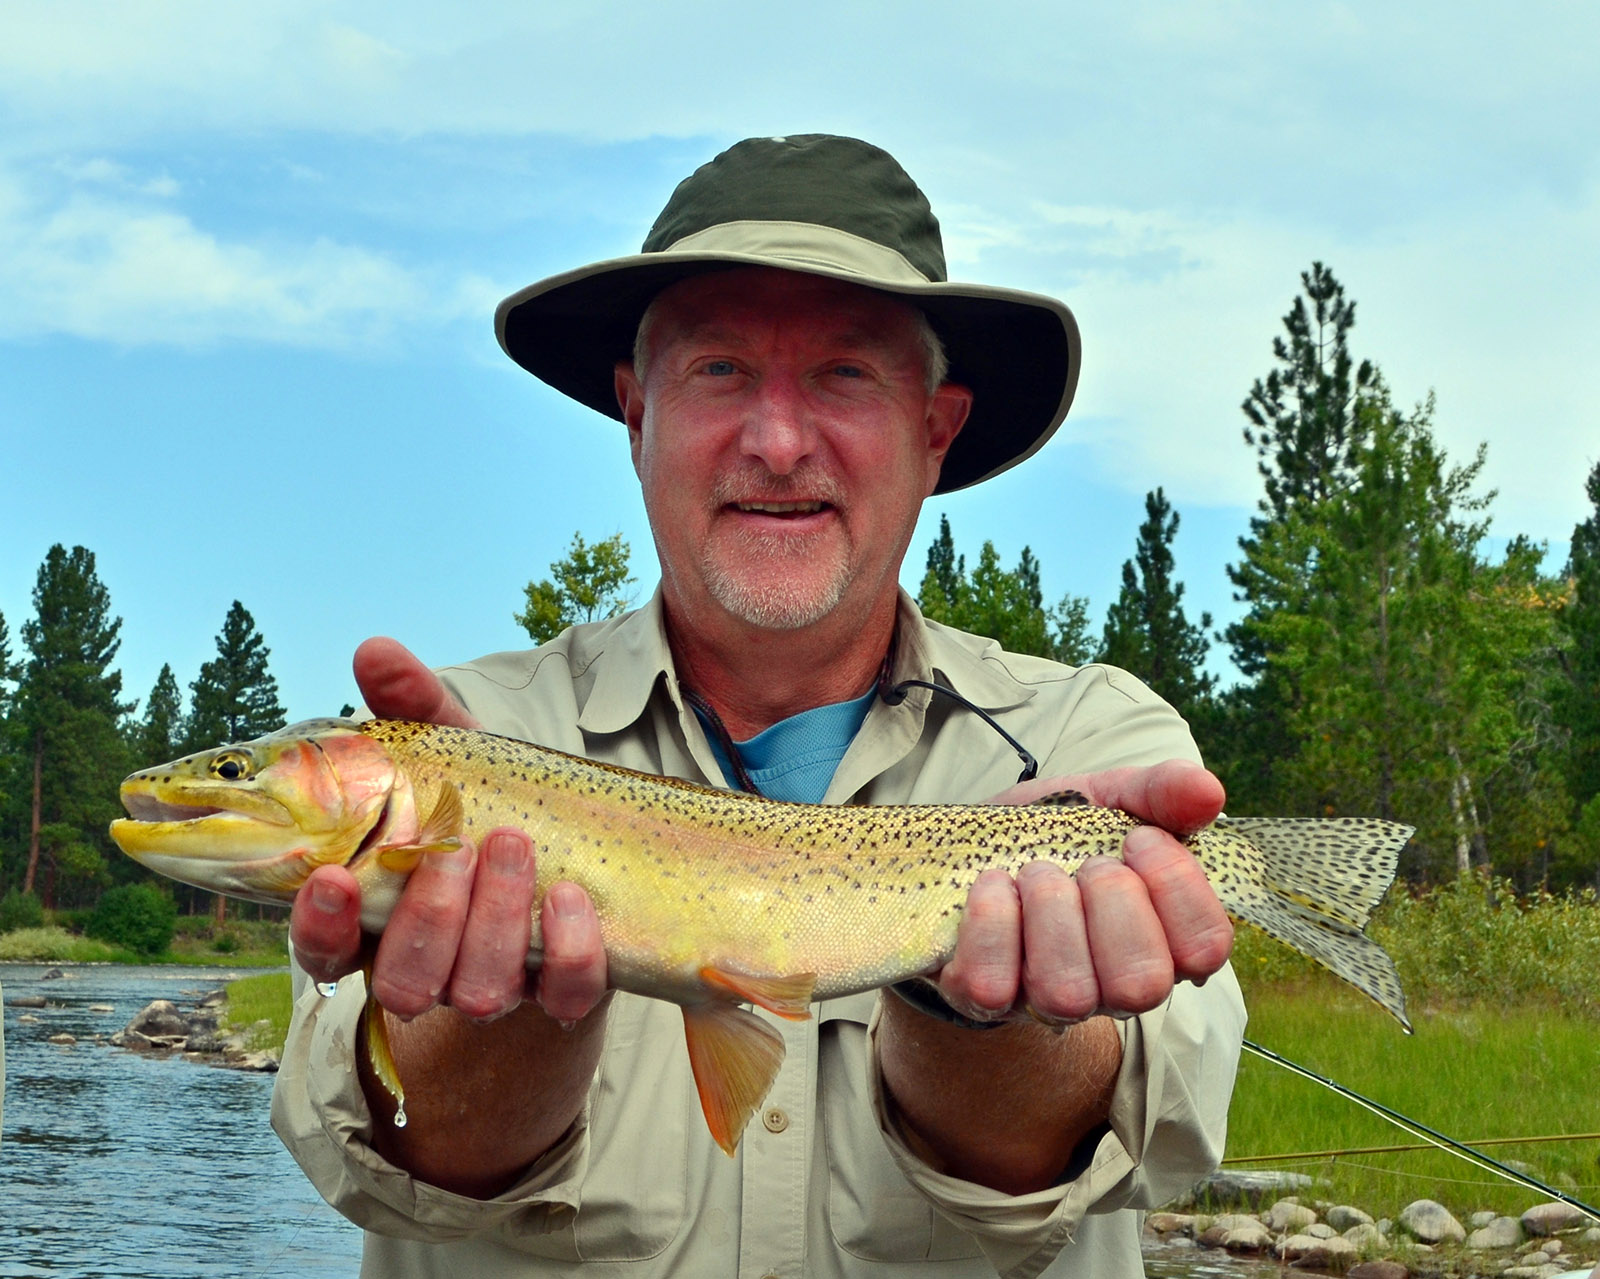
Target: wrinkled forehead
{"x": 750, "y": 302}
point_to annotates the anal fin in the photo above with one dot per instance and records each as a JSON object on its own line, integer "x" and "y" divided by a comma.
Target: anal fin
{"x": 788, "y": 996}
{"x": 735, "y": 1057}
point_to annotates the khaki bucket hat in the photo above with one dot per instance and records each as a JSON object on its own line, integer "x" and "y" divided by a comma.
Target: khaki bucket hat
{"x": 828, "y": 206}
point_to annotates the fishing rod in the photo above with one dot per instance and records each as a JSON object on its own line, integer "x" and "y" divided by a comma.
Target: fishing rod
{"x": 1429, "y": 1135}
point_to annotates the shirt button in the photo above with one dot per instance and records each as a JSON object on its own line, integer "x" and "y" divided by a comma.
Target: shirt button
{"x": 775, "y": 1119}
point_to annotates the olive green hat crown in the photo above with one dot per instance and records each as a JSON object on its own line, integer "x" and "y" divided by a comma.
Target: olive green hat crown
{"x": 822, "y": 205}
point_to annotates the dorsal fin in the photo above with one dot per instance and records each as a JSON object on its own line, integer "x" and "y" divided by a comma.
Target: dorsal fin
{"x": 1068, "y": 798}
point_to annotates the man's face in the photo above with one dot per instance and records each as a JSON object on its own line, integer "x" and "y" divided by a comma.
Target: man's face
{"x": 785, "y": 439}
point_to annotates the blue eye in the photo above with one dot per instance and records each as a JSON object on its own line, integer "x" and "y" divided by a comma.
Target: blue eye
{"x": 719, "y": 368}
{"x": 848, "y": 370}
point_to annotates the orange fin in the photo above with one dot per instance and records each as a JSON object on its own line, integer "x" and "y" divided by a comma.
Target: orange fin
{"x": 735, "y": 1057}
{"x": 441, "y": 833}
{"x": 788, "y": 996}
{"x": 446, "y": 819}
{"x": 1067, "y": 798}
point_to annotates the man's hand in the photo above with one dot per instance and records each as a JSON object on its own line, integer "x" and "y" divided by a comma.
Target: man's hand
{"x": 459, "y": 935}
{"x": 1115, "y": 937}
{"x": 1008, "y": 1107}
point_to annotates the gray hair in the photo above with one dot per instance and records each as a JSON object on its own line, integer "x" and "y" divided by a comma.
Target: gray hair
{"x": 935, "y": 363}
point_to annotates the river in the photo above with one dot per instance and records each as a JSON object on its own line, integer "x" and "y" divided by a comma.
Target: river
{"x": 117, "y": 1164}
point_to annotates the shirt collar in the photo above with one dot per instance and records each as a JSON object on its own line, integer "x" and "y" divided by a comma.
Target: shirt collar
{"x": 636, "y": 656}
{"x": 974, "y": 666}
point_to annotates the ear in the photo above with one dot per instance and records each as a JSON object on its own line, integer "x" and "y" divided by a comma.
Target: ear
{"x": 630, "y": 399}
{"x": 948, "y": 408}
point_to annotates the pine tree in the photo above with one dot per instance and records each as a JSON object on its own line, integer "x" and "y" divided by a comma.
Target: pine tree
{"x": 1007, "y": 605}
{"x": 235, "y": 697}
{"x": 159, "y": 736}
{"x": 1146, "y": 630}
{"x": 1579, "y": 704}
{"x": 590, "y": 584}
{"x": 944, "y": 570}
{"x": 10, "y": 671}
{"x": 1304, "y": 425}
{"x": 67, "y": 720}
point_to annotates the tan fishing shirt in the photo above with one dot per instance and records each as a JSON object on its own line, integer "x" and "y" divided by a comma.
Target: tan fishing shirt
{"x": 822, "y": 1184}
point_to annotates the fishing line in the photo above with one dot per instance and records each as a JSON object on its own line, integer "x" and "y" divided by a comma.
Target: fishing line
{"x": 1417, "y": 1129}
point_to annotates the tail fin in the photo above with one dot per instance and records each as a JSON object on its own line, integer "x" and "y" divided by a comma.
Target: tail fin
{"x": 1320, "y": 882}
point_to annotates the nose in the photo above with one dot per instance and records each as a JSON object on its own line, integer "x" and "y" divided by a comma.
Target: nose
{"x": 780, "y": 428}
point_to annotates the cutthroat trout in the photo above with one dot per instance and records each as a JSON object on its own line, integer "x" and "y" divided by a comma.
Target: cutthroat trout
{"x": 707, "y": 898}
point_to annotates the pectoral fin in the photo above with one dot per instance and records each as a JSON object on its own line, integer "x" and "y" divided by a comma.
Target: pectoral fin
{"x": 735, "y": 1057}
{"x": 441, "y": 833}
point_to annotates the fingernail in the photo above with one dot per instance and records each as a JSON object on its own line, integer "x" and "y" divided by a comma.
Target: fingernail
{"x": 1144, "y": 839}
{"x": 330, "y": 899}
{"x": 567, "y": 902}
{"x": 506, "y": 854}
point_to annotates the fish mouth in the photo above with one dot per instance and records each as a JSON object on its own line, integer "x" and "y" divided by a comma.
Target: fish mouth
{"x": 146, "y": 807}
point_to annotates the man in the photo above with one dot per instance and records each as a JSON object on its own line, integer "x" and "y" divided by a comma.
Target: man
{"x": 778, "y": 353}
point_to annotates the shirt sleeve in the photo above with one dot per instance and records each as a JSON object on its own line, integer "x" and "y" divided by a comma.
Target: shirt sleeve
{"x": 1167, "y": 1128}
{"x": 321, "y": 1114}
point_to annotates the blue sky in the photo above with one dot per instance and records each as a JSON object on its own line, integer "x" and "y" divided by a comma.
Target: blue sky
{"x": 249, "y": 257}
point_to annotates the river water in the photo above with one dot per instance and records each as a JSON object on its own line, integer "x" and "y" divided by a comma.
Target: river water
{"x": 117, "y": 1164}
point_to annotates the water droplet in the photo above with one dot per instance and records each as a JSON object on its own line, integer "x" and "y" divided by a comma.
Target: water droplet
{"x": 565, "y": 1024}
{"x": 327, "y": 988}
{"x": 400, "y": 1117}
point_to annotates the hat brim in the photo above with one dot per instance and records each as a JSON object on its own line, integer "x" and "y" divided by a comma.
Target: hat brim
{"x": 1018, "y": 352}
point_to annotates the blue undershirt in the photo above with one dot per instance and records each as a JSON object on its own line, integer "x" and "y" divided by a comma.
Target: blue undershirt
{"x": 795, "y": 759}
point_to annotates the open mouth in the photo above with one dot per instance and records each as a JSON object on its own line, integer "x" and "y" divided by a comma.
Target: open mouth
{"x": 782, "y": 510}
{"x": 146, "y": 808}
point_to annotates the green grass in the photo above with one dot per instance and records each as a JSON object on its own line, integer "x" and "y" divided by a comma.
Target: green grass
{"x": 240, "y": 944}
{"x": 55, "y": 945}
{"x": 1472, "y": 1072}
{"x": 264, "y": 998}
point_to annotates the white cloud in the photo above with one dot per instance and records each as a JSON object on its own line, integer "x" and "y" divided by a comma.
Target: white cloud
{"x": 1179, "y": 311}
{"x": 98, "y": 267}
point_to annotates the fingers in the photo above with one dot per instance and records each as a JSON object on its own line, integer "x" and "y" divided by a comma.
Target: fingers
{"x": 325, "y": 924}
{"x": 981, "y": 979}
{"x": 417, "y": 952}
{"x": 1198, "y": 932}
{"x": 461, "y": 931}
{"x": 490, "y": 973}
{"x": 572, "y": 978}
{"x": 1113, "y": 938}
{"x": 396, "y": 685}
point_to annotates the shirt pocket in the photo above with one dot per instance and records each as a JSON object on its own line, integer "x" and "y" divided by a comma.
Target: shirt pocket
{"x": 874, "y": 1213}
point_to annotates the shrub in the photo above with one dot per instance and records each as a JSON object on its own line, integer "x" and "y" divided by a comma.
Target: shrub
{"x": 20, "y": 910}
{"x": 138, "y": 916}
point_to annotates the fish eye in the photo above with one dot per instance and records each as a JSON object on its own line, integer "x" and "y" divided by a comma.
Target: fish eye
{"x": 232, "y": 766}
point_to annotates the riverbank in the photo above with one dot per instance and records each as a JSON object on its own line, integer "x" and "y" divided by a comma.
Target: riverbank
{"x": 1547, "y": 1240}
{"x": 197, "y": 941}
